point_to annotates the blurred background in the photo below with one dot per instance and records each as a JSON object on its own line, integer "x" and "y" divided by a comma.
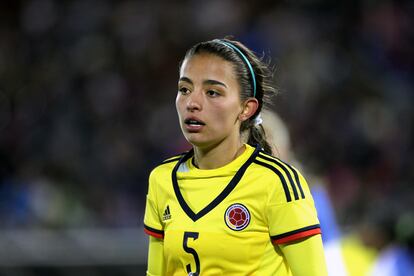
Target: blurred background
{"x": 87, "y": 92}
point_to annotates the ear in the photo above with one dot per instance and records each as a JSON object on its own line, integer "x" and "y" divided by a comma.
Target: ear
{"x": 249, "y": 107}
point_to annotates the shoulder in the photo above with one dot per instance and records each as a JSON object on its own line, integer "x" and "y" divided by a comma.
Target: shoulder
{"x": 288, "y": 179}
{"x": 167, "y": 165}
{"x": 160, "y": 175}
{"x": 273, "y": 164}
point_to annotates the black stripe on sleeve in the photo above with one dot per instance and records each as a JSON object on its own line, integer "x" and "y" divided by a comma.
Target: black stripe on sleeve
{"x": 282, "y": 179}
{"x": 295, "y": 173}
{"x": 153, "y": 230}
{"x": 287, "y": 234}
{"x": 277, "y": 163}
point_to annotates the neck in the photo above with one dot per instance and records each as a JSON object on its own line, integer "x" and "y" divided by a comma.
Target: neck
{"x": 217, "y": 156}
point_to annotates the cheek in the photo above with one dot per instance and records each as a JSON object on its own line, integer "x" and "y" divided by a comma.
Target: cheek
{"x": 179, "y": 104}
{"x": 228, "y": 114}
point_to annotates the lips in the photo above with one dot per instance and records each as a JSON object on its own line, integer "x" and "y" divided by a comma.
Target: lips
{"x": 193, "y": 124}
{"x": 190, "y": 121}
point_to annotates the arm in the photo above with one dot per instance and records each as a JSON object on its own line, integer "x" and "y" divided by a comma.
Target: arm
{"x": 156, "y": 265}
{"x": 305, "y": 256}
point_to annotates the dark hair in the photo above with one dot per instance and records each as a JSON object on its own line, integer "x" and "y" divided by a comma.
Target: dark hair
{"x": 263, "y": 78}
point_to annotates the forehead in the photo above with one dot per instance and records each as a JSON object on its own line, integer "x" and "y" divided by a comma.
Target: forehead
{"x": 207, "y": 66}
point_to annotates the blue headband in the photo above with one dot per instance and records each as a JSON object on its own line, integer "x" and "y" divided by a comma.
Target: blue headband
{"x": 228, "y": 44}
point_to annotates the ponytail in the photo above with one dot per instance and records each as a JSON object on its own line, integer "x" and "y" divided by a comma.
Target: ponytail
{"x": 257, "y": 136}
{"x": 254, "y": 134}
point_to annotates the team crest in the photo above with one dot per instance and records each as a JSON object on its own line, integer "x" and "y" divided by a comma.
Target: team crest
{"x": 237, "y": 217}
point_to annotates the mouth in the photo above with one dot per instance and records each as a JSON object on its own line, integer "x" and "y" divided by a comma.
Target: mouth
{"x": 193, "y": 122}
{"x": 193, "y": 125}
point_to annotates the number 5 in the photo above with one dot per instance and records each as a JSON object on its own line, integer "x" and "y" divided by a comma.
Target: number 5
{"x": 193, "y": 235}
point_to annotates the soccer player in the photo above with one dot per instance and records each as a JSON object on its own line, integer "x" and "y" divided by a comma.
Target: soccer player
{"x": 227, "y": 207}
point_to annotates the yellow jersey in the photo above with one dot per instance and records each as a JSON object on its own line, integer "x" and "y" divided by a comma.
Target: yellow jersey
{"x": 229, "y": 220}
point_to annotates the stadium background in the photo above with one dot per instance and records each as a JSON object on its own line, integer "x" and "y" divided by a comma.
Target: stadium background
{"x": 87, "y": 93}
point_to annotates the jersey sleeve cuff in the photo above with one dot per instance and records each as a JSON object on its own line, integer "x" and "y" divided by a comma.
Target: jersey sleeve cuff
{"x": 297, "y": 234}
{"x": 159, "y": 234}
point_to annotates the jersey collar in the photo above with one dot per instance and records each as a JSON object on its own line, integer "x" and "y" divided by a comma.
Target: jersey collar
{"x": 227, "y": 190}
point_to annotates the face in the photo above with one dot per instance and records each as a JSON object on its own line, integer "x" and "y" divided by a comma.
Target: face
{"x": 208, "y": 101}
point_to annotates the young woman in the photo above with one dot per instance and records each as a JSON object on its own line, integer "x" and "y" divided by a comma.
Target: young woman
{"x": 227, "y": 207}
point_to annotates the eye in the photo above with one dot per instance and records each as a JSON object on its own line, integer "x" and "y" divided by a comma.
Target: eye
{"x": 213, "y": 93}
{"x": 183, "y": 90}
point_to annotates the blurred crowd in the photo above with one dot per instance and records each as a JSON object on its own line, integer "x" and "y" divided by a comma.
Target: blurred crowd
{"x": 87, "y": 93}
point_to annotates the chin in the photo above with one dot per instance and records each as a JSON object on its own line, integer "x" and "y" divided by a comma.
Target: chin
{"x": 197, "y": 141}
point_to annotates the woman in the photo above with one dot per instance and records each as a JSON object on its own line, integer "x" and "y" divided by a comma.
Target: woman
{"x": 227, "y": 207}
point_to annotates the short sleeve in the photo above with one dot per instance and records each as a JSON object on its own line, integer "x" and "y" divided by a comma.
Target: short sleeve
{"x": 293, "y": 218}
{"x": 152, "y": 223}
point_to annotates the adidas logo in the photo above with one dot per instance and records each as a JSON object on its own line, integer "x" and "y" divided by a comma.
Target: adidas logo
{"x": 167, "y": 214}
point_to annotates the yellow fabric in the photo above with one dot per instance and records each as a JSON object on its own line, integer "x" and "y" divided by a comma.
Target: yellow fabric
{"x": 284, "y": 216}
{"x": 306, "y": 257}
{"x": 156, "y": 266}
{"x": 358, "y": 258}
{"x": 206, "y": 243}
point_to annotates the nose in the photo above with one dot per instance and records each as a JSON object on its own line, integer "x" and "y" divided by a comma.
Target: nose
{"x": 194, "y": 101}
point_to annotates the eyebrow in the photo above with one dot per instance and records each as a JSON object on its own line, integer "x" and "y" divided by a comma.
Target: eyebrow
{"x": 209, "y": 82}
